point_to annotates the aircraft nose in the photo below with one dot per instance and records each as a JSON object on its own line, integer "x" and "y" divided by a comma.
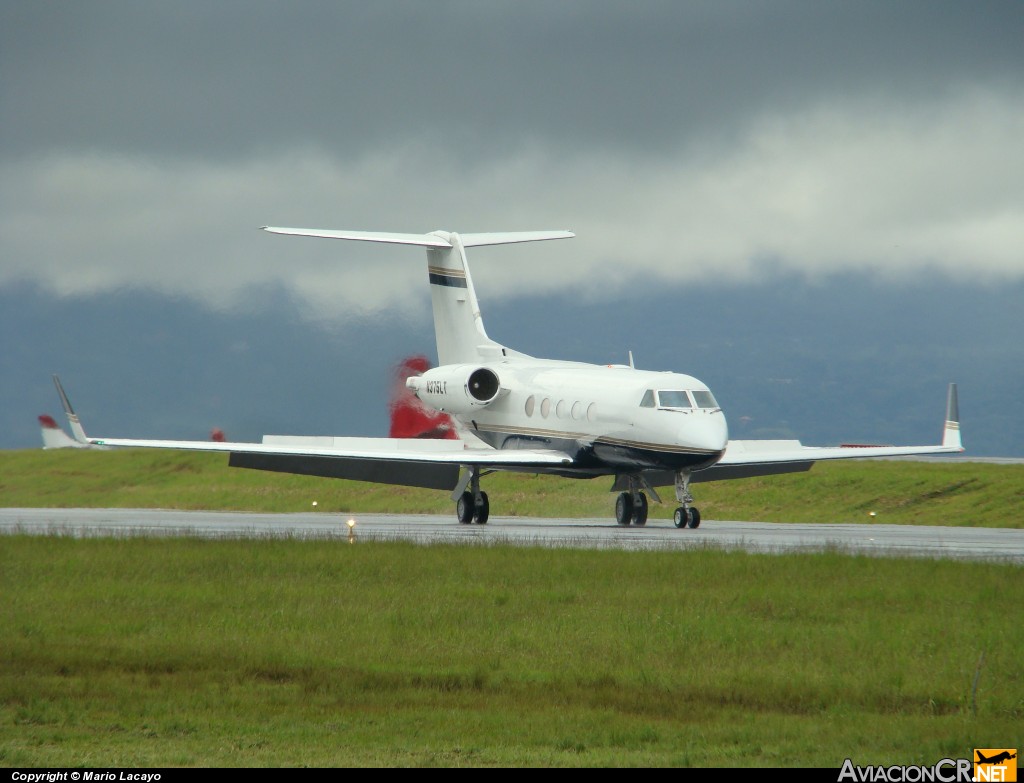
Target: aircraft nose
{"x": 706, "y": 431}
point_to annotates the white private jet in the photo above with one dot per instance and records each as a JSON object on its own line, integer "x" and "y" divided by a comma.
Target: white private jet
{"x": 519, "y": 413}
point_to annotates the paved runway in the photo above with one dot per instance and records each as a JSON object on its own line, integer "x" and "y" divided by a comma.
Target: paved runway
{"x": 773, "y": 537}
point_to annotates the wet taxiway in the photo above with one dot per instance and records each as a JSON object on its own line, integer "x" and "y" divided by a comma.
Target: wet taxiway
{"x": 772, "y": 537}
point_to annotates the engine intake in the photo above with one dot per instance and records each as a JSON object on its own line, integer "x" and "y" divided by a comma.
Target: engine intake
{"x": 483, "y": 385}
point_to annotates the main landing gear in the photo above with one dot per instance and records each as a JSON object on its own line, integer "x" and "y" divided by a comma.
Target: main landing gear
{"x": 631, "y": 507}
{"x": 472, "y": 504}
{"x": 686, "y": 515}
{"x": 469, "y": 509}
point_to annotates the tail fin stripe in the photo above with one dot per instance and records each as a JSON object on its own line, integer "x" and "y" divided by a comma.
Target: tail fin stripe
{"x": 448, "y": 280}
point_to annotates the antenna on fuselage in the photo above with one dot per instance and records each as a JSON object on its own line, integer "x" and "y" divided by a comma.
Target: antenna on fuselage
{"x": 631, "y": 361}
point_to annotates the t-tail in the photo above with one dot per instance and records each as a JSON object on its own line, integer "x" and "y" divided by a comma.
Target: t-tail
{"x": 458, "y": 324}
{"x": 54, "y": 437}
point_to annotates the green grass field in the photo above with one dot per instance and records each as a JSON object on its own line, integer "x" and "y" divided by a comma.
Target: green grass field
{"x": 974, "y": 494}
{"x": 145, "y": 651}
{"x": 150, "y": 652}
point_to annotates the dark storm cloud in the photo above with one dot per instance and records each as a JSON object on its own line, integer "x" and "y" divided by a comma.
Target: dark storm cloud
{"x": 140, "y": 144}
{"x": 709, "y": 155}
{"x": 229, "y": 78}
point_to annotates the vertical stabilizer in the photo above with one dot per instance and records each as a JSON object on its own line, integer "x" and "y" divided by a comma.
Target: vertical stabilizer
{"x": 458, "y": 325}
{"x": 54, "y": 437}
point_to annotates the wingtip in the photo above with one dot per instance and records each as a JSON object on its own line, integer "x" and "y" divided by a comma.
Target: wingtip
{"x": 951, "y": 431}
{"x": 76, "y": 426}
{"x": 64, "y": 401}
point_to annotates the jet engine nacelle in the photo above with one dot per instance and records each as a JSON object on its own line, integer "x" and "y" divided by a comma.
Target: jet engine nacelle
{"x": 456, "y": 388}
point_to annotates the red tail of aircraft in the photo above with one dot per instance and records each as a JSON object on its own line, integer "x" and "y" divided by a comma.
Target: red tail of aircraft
{"x": 55, "y": 438}
{"x": 410, "y": 418}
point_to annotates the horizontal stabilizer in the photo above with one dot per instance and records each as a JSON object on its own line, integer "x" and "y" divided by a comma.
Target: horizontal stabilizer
{"x": 436, "y": 239}
{"x": 510, "y": 237}
{"x": 425, "y": 240}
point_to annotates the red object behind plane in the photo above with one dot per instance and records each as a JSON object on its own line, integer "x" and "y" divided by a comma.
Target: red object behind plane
{"x": 410, "y": 418}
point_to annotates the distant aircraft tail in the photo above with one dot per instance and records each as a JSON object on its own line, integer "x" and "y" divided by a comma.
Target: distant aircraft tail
{"x": 410, "y": 418}
{"x": 54, "y": 437}
{"x": 458, "y": 325}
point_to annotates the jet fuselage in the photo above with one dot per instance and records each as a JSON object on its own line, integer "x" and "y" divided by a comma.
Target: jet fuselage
{"x": 607, "y": 417}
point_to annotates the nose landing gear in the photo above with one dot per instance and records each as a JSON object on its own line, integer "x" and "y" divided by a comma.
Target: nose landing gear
{"x": 686, "y": 515}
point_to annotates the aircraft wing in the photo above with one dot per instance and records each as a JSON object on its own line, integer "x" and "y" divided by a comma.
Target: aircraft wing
{"x": 413, "y": 462}
{"x": 751, "y": 458}
{"x": 745, "y": 458}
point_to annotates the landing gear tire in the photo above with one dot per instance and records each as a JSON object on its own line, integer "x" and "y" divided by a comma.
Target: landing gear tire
{"x": 624, "y": 508}
{"x": 464, "y": 508}
{"x": 686, "y": 517}
{"x": 694, "y": 518}
{"x": 640, "y": 511}
{"x": 482, "y": 510}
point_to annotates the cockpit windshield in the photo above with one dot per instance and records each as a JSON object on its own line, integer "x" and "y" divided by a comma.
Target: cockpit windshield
{"x": 704, "y": 399}
{"x": 673, "y": 399}
{"x": 677, "y": 399}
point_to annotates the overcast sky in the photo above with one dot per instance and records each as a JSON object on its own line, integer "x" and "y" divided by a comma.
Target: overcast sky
{"x": 731, "y": 169}
{"x": 143, "y": 144}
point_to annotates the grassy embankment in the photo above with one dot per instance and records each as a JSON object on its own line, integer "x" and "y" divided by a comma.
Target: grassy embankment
{"x": 143, "y": 651}
{"x": 150, "y": 652}
{"x": 898, "y": 492}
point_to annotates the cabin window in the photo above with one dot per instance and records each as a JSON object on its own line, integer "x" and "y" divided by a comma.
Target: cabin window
{"x": 673, "y": 399}
{"x": 577, "y": 410}
{"x": 561, "y": 409}
{"x": 592, "y": 412}
{"x": 530, "y": 404}
{"x": 705, "y": 399}
{"x": 545, "y": 407}
{"x": 648, "y": 400}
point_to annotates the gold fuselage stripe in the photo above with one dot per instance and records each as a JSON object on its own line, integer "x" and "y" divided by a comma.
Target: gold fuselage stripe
{"x": 605, "y": 439}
